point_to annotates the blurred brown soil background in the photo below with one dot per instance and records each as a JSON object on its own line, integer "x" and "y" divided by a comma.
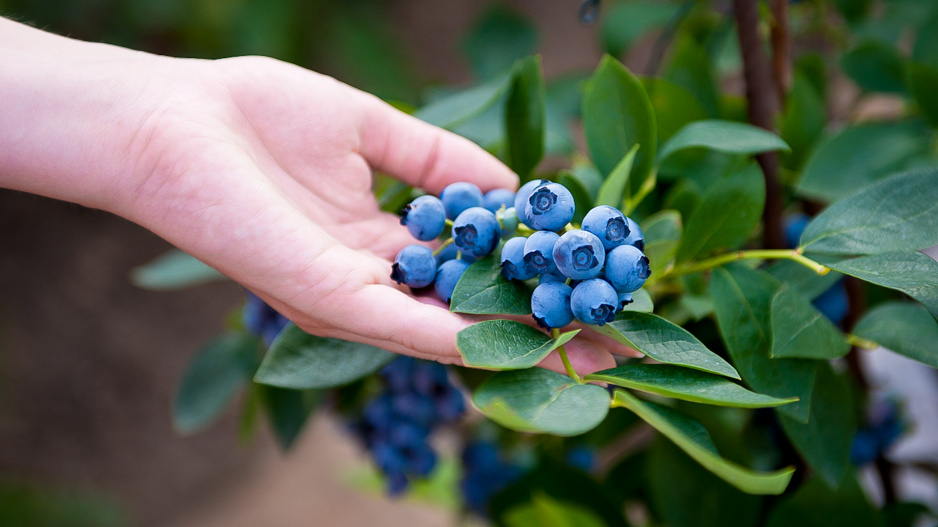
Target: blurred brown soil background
{"x": 89, "y": 363}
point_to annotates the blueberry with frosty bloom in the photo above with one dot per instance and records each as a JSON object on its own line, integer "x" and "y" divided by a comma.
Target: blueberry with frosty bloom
{"x": 609, "y": 224}
{"x": 476, "y": 232}
{"x": 594, "y": 301}
{"x": 512, "y": 260}
{"x": 579, "y": 255}
{"x": 550, "y": 207}
{"x": 539, "y": 251}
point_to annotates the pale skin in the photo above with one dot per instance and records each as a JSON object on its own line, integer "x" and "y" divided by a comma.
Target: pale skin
{"x": 259, "y": 168}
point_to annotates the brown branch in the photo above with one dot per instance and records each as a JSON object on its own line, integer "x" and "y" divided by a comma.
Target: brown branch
{"x": 763, "y": 105}
{"x": 781, "y": 49}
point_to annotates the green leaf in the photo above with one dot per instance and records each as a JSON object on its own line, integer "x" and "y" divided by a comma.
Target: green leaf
{"x": 506, "y": 345}
{"x": 875, "y": 66}
{"x": 675, "y": 106}
{"x": 483, "y": 290}
{"x": 581, "y": 196}
{"x": 288, "y": 411}
{"x": 498, "y": 38}
{"x": 212, "y": 379}
{"x": 685, "y": 384}
{"x": 617, "y": 115}
{"x": 898, "y": 213}
{"x": 727, "y": 214}
{"x": 858, "y": 156}
{"x": 922, "y": 80}
{"x": 816, "y": 505}
{"x": 524, "y": 117}
{"x": 173, "y": 270}
{"x": 665, "y": 342}
{"x": 612, "y": 191}
{"x": 722, "y": 136}
{"x": 913, "y": 273}
{"x": 541, "y": 401}
{"x": 299, "y": 360}
{"x": 624, "y": 22}
{"x": 689, "y": 67}
{"x": 799, "y": 278}
{"x": 824, "y": 441}
{"x": 546, "y": 512}
{"x": 662, "y": 235}
{"x": 905, "y": 328}
{"x": 641, "y": 301}
{"x": 742, "y": 299}
{"x": 684, "y": 494}
{"x": 799, "y": 330}
{"x": 461, "y": 107}
{"x": 694, "y": 440}
{"x": 803, "y": 120}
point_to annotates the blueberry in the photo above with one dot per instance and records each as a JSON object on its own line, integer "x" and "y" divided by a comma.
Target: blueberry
{"x": 794, "y": 226}
{"x": 594, "y": 302}
{"x": 512, "y": 260}
{"x": 539, "y": 251}
{"x": 635, "y": 238}
{"x": 554, "y": 276}
{"x": 624, "y": 300}
{"x": 609, "y": 224}
{"x": 450, "y": 252}
{"x": 458, "y": 197}
{"x": 446, "y": 277}
{"x": 424, "y": 217}
{"x": 415, "y": 266}
{"x": 262, "y": 320}
{"x": 579, "y": 255}
{"x": 627, "y": 268}
{"x": 833, "y": 303}
{"x": 498, "y": 198}
{"x": 476, "y": 232}
{"x": 521, "y": 198}
{"x": 549, "y": 208}
{"x": 550, "y": 305}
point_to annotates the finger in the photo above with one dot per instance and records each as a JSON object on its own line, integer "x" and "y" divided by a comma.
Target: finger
{"x": 425, "y": 156}
{"x": 608, "y": 343}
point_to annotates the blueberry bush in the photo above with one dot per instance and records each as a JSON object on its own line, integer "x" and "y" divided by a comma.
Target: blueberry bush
{"x": 749, "y": 247}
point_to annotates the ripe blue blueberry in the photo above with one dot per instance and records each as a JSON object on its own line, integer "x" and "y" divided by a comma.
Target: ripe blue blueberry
{"x": 521, "y": 198}
{"x": 609, "y": 224}
{"x": 498, "y": 198}
{"x": 549, "y": 208}
{"x": 424, "y": 217}
{"x": 415, "y": 266}
{"x": 579, "y": 255}
{"x": 550, "y": 305}
{"x": 457, "y": 197}
{"x": 512, "y": 260}
{"x": 553, "y": 276}
{"x": 594, "y": 302}
{"x": 446, "y": 277}
{"x": 539, "y": 251}
{"x": 476, "y": 232}
{"x": 627, "y": 268}
{"x": 794, "y": 226}
{"x": 624, "y": 300}
{"x": 635, "y": 238}
{"x": 450, "y": 252}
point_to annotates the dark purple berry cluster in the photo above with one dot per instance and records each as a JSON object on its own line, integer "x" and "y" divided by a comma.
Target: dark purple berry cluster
{"x": 262, "y": 320}
{"x": 417, "y": 397}
{"x": 485, "y": 473}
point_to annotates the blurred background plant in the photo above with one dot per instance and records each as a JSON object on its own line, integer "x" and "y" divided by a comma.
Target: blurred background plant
{"x": 848, "y": 84}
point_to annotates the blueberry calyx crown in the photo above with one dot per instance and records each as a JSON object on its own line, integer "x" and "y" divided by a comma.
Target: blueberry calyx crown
{"x": 603, "y": 314}
{"x": 398, "y": 274}
{"x": 616, "y": 230}
{"x": 542, "y": 200}
{"x": 584, "y": 258}
{"x": 465, "y": 236}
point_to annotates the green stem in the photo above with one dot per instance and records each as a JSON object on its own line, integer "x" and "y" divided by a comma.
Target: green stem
{"x": 524, "y": 230}
{"x": 759, "y": 254}
{"x": 555, "y": 333}
{"x": 861, "y": 342}
{"x": 440, "y": 249}
{"x": 449, "y": 223}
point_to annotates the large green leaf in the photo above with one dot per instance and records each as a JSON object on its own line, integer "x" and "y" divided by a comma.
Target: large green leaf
{"x": 875, "y": 66}
{"x": 858, "y": 156}
{"x": 684, "y": 494}
{"x": 905, "y": 328}
{"x": 723, "y": 136}
{"x": 803, "y": 120}
{"x": 459, "y": 108}
{"x": 172, "y": 270}
{"x": 641, "y": 301}
{"x": 624, "y": 22}
{"x": 799, "y": 330}
{"x": 612, "y": 191}
{"x": 684, "y": 383}
{"x": 617, "y": 115}
{"x": 546, "y": 512}
{"x": 727, "y": 214}
{"x": 665, "y": 342}
{"x": 483, "y": 290}
{"x": 498, "y": 38}
{"x": 288, "y": 410}
{"x": 581, "y": 195}
{"x": 694, "y": 440}
{"x": 212, "y": 380}
{"x": 802, "y": 279}
{"x": 300, "y": 361}
{"x": 689, "y": 67}
{"x": 536, "y": 400}
{"x": 913, "y": 273}
{"x": 524, "y": 117}
{"x": 922, "y": 81}
{"x": 816, "y": 505}
{"x": 824, "y": 440}
{"x": 675, "y": 106}
{"x": 506, "y": 345}
{"x": 662, "y": 232}
{"x": 742, "y": 300}
{"x": 895, "y": 214}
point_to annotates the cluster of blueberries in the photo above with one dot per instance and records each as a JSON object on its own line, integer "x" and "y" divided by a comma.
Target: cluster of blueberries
{"x": 485, "y": 473}
{"x": 588, "y": 273}
{"x": 416, "y": 398}
{"x": 262, "y": 320}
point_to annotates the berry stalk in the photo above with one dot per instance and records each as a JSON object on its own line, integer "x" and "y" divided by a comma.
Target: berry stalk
{"x": 555, "y": 333}
{"x": 759, "y": 254}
